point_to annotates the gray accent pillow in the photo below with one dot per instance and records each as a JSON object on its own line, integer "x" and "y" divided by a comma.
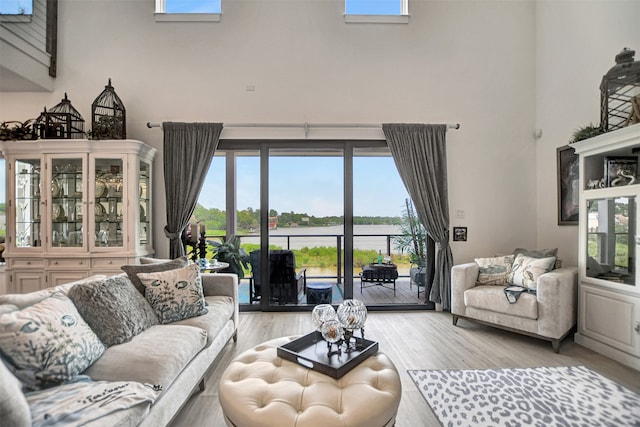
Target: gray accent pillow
{"x": 113, "y": 308}
{"x": 536, "y": 253}
{"x": 133, "y": 270}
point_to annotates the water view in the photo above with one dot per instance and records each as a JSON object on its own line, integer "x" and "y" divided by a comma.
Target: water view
{"x": 365, "y": 236}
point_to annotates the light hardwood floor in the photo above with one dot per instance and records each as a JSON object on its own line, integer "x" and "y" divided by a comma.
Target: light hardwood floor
{"x": 413, "y": 340}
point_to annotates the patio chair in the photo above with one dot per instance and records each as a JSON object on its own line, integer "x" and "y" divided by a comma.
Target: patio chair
{"x": 284, "y": 283}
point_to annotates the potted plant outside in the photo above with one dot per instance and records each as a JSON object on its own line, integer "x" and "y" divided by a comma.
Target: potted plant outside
{"x": 229, "y": 251}
{"x": 413, "y": 241}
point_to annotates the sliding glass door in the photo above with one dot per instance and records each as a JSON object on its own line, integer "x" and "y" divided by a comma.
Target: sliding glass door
{"x": 306, "y": 225}
{"x": 318, "y": 221}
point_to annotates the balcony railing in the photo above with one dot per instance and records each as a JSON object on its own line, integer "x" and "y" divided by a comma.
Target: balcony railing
{"x": 375, "y": 242}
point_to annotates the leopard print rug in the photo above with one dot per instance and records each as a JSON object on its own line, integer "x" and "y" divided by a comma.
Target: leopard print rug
{"x": 560, "y": 396}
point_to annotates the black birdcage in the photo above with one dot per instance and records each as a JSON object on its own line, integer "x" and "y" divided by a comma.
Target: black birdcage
{"x": 108, "y": 116}
{"x": 620, "y": 93}
{"x": 62, "y": 121}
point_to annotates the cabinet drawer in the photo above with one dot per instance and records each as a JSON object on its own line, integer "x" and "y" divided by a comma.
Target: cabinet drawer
{"x": 108, "y": 263}
{"x": 68, "y": 263}
{"x": 58, "y": 278}
{"x": 27, "y": 263}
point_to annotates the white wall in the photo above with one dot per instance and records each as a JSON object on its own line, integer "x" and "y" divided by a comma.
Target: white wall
{"x": 576, "y": 45}
{"x": 472, "y": 62}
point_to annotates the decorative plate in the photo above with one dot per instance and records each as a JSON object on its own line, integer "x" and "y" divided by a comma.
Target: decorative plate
{"x": 55, "y": 188}
{"x": 143, "y": 190}
{"x": 99, "y": 210}
{"x": 101, "y": 188}
{"x": 57, "y": 211}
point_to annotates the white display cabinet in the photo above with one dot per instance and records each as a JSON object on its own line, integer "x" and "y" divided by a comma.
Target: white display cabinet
{"x": 609, "y": 242}
{"x": 75, "y": 208}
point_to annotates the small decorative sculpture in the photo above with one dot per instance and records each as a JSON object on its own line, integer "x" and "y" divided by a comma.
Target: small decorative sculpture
{"x": 332, "y": 332}
{"x": 352, "y": 314}
{"x": 624, "y": 177}
{"x": 338, "y": 327}
{"x": 592, "y": 184}
{"x": 322, "y": 313}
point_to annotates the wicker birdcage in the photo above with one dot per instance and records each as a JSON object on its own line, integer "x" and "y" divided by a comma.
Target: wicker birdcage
{"x": 620, "y": 93}
{"x": 108, "y": 116}
{"x": 62, "y": 121}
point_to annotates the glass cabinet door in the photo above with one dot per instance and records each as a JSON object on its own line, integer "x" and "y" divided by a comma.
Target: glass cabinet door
{"x": 144, "y": 226}
{"x": 28, "y": 225}
{"x": 611, "y": 239}
{"x": 67, "y": 175}
{"x": 108, "y": 202}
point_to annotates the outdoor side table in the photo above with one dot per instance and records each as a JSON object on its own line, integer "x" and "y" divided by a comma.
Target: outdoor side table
{"x": 319, "y": 293}
{"x": 379, "y": 275}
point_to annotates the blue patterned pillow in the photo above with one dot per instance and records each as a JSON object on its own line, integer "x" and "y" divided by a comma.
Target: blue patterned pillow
{"x": 49, "y": 338}
{"x": 494, "y": 271}
{"x": 175, "y": 294}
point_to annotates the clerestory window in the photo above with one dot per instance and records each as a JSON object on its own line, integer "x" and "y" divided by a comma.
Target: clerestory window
{"x": 377, "y": 11}
{"x": 188, "y": 10}
{"x": 16, "y": 7}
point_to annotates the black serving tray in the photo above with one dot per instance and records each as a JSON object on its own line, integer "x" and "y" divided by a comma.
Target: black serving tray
{"x": 311, "y": 351}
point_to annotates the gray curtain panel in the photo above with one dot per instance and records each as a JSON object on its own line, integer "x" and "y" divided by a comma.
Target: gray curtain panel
{"x": 419, "y": 152}
{"x": 188, "y": 151}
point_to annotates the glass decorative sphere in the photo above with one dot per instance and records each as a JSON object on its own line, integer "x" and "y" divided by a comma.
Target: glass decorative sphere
{"x": 352, "y": 314}
{"x": 321, "y": 313}
{"x": 332, "y": 331}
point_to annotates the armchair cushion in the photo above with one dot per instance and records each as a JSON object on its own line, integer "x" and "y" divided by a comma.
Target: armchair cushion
{"x": 491, "y": 298}
{"x": 526, "y": 270}
{"x": 494, "y": 271}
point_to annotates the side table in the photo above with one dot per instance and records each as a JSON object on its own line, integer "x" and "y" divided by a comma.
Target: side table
{"x": 319, "y": 293}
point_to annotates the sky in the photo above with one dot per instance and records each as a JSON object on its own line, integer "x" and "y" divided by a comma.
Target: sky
{"x": 312, "y": 185}
{"x": 375, "y": 7}
{"x": 10, "y": 7}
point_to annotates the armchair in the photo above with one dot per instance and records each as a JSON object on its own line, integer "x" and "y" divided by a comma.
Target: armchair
{"x": 284, "y": 283}
{"x": 549, "y": 314}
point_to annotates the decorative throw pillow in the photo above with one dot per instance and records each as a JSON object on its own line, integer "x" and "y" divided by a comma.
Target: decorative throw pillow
{"x": 536, "y": 253}
{"x": 540, "y": 253}
{"x": 494, "y": 271}
{"x": 49, "y": 338}
{"x": 133, "y": 270}
{"x": 175, "y": 294}
{"x": 113, "y": 308}
{"x": 526, "y": 270}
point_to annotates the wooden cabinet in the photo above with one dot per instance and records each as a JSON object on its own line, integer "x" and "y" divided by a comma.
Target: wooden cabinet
{"x": 75, "y": 208}
{"x": 609, "y": 244}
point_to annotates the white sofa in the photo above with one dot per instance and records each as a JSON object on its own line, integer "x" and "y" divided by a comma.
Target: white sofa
{"x": 175, "y": 356}
{"x": 550, "y": 314}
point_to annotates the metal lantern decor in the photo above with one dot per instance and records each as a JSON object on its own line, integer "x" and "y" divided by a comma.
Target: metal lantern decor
{"x": 62, "y": 121}
{"x": 620, "y": 93}
{"x": 108, "y": 116}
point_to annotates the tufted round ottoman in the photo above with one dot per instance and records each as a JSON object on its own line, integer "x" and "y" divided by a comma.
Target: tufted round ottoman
{"x": 258, "y": 388}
